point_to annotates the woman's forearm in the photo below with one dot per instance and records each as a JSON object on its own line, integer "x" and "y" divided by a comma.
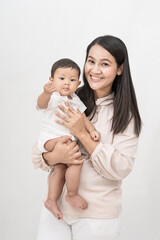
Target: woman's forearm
{"x": 88, "y": 143}
{"x": 88, "y": 124}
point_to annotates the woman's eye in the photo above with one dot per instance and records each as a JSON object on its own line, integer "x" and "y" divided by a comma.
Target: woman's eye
{"x": 105, "y": 64}
{"x": 90, "y": 61}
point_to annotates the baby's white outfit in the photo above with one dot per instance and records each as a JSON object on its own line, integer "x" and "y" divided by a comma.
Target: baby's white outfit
{"x": 50, "y": 129}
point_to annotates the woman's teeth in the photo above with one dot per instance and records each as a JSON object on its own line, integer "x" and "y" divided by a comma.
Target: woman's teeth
{"x": 95, "y": 78}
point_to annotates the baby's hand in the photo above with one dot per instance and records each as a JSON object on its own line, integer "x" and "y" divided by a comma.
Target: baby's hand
{"x": 95, "y": 135}
{"x": 49, "y": 88}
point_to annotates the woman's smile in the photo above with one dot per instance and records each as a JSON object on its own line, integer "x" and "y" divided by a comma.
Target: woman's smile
{"x": 95, "y": 79}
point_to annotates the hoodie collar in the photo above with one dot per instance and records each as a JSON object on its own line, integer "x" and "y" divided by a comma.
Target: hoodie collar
{"x": 105, "y": 100}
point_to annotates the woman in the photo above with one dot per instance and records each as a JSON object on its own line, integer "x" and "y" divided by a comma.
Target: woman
{"x": 109, "y": 96}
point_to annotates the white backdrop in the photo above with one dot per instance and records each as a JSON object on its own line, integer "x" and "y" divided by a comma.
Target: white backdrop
{"x": 35, "y": 33}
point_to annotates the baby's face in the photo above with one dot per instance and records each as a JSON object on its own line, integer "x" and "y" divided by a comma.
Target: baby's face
{"x": 66, "y": 81}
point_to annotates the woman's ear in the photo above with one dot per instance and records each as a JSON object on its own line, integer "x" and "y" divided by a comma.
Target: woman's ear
{"x": 51, "y": 79}
{"x": 120, "y": 70}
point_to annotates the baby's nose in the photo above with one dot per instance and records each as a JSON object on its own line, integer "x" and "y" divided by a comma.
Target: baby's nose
{"x": 67, "y": 82}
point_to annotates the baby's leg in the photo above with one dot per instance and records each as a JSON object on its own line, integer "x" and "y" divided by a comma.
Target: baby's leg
{"x": 55, "y": 187}
{"x": 72, "y": 181}
{"x": 50, "y": 144}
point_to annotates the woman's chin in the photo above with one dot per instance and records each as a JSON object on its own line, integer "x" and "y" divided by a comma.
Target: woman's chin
{"x": 94, "y": 86}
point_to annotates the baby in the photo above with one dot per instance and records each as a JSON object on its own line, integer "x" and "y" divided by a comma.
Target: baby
{"x": 60, "y": 90}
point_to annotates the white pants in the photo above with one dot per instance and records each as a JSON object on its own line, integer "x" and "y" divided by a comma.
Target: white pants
{"x": 70, "y": 228}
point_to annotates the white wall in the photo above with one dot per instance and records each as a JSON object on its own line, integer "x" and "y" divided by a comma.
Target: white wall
{"x": 35, "y": 33}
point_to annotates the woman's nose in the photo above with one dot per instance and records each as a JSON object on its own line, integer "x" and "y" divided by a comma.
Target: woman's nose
{"x": 96, "y": 69}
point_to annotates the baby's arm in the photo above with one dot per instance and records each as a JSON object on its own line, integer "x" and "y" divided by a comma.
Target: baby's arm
{"x": 45, "y": 96}
{"x": 90, "y": 128}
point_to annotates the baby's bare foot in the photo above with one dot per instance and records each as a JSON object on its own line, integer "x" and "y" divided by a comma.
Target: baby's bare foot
{"x": 53, "y": 208}
{"x": 77, "y": 201}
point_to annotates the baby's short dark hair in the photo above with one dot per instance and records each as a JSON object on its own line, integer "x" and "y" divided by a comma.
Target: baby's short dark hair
{"x": 65, "y": 63}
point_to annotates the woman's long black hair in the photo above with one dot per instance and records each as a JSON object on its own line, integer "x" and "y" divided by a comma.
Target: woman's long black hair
{"x": 125, "y": 103}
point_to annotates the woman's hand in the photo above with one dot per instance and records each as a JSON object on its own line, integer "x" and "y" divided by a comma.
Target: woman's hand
{"x": 73, "y": 121}
{"x": 65, "y": 151}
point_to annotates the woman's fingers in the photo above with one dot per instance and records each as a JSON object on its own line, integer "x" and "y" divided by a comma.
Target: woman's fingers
{"x": 69, "y": 111}
{"x": 73, "y": 144}
{"x": 77, "y": 155}
{"x": 72, "y": 110}
{"x": 62, "y": 116}
{"x": 65, "y": 151}
{"x": 77, "y": 162}
{"x": 60, "y": 122}
{"x": 73, "y": 151}
{"x": 76, "y": 150}
{"x": 64, "y": 139}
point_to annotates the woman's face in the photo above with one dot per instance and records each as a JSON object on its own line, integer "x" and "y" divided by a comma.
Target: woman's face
{"x": 101, "y": 70}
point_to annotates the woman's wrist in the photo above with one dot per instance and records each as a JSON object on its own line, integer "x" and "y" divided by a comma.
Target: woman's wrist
{"x": 82, "y": 135}
{"x": 88, "y": 143}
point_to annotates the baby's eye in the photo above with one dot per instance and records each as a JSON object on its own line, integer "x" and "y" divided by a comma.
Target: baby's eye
{"x": 61, "y": 78}
{"x": 72, "y": 80}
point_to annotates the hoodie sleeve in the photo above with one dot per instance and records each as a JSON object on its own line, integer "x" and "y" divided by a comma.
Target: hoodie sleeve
{"x": 38, "y": 160}
{"x": 115, "y": 161}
